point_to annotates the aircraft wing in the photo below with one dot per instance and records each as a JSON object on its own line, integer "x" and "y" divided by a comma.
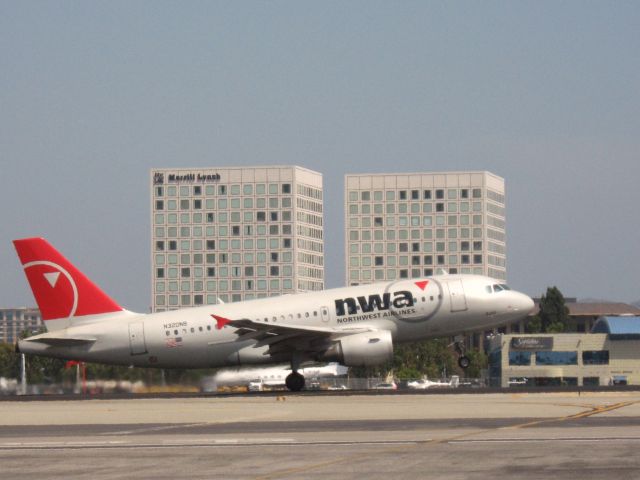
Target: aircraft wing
{"x": 285, "y": 337}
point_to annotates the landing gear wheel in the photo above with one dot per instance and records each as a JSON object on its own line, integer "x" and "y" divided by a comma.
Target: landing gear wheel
{"x": 294, "y": 382}
{"x": 464, "y": 362}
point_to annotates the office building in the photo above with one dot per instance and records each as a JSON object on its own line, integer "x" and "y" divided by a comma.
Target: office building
{"x": 234, "y": 233}
{"x": 16, "y": 321}
{"x": 412, "y": 225}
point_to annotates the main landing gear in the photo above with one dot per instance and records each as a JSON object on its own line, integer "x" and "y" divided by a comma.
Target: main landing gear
{"x": 463, "y": 360}
{"x": 295, "y": 380}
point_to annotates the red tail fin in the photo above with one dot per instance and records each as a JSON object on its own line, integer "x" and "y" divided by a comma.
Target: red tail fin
{"x": 60, "y": 289}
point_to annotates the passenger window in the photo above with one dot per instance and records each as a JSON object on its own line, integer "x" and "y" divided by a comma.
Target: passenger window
{"x": 208, "y": 327}
{"x": 306, "y": 314}
{"x": 193, "y": 330}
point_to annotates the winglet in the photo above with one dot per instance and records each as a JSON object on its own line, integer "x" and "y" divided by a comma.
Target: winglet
{"x": 221, "y": 321}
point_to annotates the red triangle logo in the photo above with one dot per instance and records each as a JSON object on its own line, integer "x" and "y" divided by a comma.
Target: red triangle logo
{"x": 423, "y": 284}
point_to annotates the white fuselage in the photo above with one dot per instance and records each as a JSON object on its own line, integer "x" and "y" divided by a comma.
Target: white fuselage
{"x": 190, "y": 338}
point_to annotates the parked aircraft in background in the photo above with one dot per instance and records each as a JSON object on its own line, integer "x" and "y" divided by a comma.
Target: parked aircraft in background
{"x": 271, "y": 377}
{"x": 355, "y": 326}
{"x": 425, "y": 383}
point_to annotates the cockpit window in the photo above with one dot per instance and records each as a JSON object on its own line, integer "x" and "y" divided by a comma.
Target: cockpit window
{"x": 488, "y": 289}
{"x": 505, "y": 286}
{"x": 497, "y": 288}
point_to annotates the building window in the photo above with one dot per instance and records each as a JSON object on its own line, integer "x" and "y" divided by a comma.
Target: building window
{"x": 519, "y": 358}
{"x": 557, "y": 358}
{"x": 591, "y": 381}
{"x": 595, "y": 357}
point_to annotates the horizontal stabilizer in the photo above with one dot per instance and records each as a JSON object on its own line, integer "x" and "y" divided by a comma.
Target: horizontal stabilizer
{"x": 62, "y": 341}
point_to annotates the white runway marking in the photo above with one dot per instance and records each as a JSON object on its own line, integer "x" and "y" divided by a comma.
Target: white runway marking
{"x": 194, "y": 443}
{"x": 552, "y": 439}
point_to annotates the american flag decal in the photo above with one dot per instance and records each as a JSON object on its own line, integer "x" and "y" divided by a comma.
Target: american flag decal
{"x": 174, "y": 342}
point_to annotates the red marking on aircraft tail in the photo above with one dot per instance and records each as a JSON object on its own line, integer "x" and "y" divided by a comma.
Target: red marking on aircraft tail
{"x": 423, "y": 284}
{"x": 60, "y": 289}
{"x": 221, "y": 321}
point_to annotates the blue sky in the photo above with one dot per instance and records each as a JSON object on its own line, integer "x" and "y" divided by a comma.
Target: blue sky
{"x": 545, "y": 94}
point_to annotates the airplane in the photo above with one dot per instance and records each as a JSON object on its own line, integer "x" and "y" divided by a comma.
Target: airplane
{"x": 272, "y": 377}
{"x": 355, "y": 326}
{"x": 425, "y": 383}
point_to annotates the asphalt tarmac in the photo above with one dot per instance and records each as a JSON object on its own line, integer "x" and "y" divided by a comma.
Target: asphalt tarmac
{"x": 526, "y": 436}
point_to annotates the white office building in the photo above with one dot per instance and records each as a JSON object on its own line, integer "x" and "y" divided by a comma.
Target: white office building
{"x": 409, "y": 225}
{"x": 234, "y": 233}
{"x": 16, "y": 321}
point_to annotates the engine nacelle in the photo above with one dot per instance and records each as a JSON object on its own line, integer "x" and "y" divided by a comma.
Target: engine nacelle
{"x": 361, "y": 349}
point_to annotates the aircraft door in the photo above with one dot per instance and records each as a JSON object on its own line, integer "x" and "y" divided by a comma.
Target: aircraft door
{"x": 136, "y": 338}
{"x": 456, "y": 295}
{"x": 324, "y": 314}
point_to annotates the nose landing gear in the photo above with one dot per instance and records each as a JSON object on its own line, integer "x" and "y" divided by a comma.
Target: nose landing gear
{"x": 463, "y": 360}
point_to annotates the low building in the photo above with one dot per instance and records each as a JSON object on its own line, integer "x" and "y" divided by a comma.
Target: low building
{"x": 609, "y": 355}
{"x": 15, "y": 321}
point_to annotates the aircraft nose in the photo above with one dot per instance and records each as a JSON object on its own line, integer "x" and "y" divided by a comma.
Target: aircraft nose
{"x": 521, "y": 303}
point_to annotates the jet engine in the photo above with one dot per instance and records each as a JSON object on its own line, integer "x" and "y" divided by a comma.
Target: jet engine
{"x": 361, "y": 349}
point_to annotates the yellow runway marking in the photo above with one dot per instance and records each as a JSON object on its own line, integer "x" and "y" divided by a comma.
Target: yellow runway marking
{"x": 588, "y": 413}
{"x": 594, "y": 410}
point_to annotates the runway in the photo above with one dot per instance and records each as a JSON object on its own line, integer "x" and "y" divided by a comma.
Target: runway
{"x": 406, "y": 436}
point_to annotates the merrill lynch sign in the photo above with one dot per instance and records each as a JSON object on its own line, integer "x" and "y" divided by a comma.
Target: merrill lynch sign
{"x": 532, "y": 343}
{"x": 159, "y": 178}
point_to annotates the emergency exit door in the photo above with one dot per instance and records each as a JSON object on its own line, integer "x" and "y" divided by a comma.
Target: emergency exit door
{"x": 456, "y": 295}
{"x": 136, "y": 338}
